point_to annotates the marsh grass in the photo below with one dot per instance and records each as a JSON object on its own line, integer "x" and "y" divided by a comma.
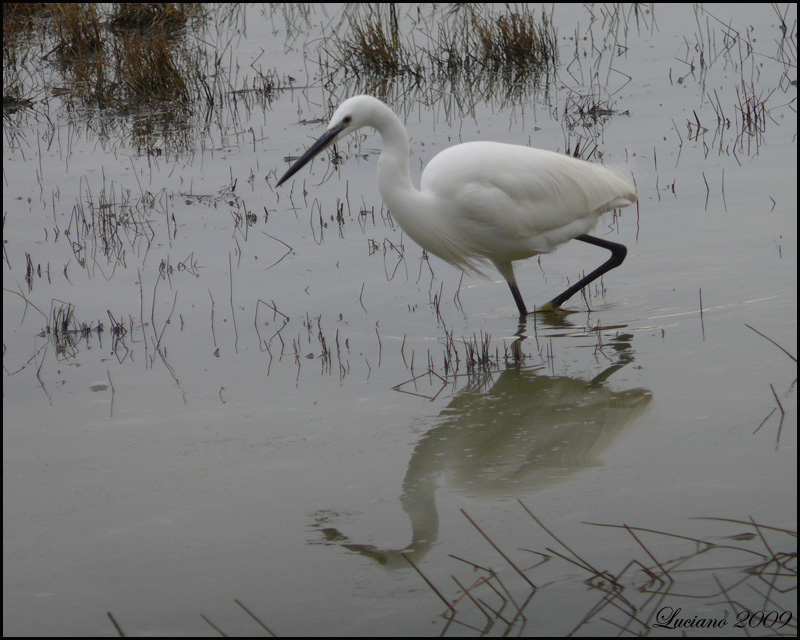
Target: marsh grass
{"x": 467, "y": 44}
{"x": 374, "y": 45}
{"x": 140, "y": 61}
{"x": 19, "y": 17}
{"x": 103, "y": 228}
{"x": 80, "y": 35}
{"x": 148, "y": 67}
{"x": 149, "y": 59}
{"x": 106, "y": 57}
{"x": 744, "y": 107}
{"x": 513, "y": 40}
{"x": 166, "y": 17}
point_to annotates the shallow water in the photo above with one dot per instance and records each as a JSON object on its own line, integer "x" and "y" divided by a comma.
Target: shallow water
{"x": 297, "y": 399}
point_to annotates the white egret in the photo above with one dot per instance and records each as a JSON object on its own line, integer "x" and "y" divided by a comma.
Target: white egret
{"x": 482, "y": 202}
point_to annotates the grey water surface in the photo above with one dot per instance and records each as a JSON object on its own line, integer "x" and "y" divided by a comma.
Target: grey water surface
{"x": 296, "y": 401}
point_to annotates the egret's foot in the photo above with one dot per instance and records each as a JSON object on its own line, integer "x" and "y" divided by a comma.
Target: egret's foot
{"x": 551, "y": 307}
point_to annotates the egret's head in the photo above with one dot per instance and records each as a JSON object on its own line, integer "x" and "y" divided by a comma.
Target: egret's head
{"x": 351, "y": 115}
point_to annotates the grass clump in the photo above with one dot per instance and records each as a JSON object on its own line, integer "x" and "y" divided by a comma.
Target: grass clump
{"x": 147, "y": 68}
{"x": 374, "y": 45}
{"x": 109, "y": 56}
{"x": 78, "y": 30}
{"x": 466, "y": 44}
{"x": 153, "y": 16}
{"x": 514, "y": 40}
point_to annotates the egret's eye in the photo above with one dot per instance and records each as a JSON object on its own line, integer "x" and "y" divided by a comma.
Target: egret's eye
{"x": 347, "y": 120}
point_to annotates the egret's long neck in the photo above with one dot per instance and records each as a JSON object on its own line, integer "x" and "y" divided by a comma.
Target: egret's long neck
{"x": 405, "y": 202}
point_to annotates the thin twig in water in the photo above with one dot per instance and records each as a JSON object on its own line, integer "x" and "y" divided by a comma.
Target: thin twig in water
{"x": 108, "y": 373}
{"x": 772, "y": 341}
{"x": 702, "y": 324}
{"x": 254, "y": 617}
{"x": 116, "y": 626}
{"x": 505, "y": 557}
{"x": 428, "y": 582}
{"x": 363, "y": 284}
{"x": 583, "y": 562}
{"x": 780, "y": 406}
{"x": 233, "y": 311}
{"x": 214, "y": 627}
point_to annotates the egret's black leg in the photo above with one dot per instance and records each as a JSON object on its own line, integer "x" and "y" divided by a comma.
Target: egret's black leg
{"x": 518, "y": 298}
{"x": 618, "y": 253}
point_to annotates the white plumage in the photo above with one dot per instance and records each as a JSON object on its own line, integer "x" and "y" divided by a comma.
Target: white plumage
{"x": 484, "y": 202}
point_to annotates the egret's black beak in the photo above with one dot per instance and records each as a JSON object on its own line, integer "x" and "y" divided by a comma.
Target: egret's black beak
{"x": 323, "y": 143}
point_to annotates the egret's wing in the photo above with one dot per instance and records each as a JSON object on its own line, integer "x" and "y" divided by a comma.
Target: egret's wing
{"x": 512, "y": 200}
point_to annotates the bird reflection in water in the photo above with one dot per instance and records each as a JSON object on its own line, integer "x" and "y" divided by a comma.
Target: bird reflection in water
{"x": 504, "y": 436}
